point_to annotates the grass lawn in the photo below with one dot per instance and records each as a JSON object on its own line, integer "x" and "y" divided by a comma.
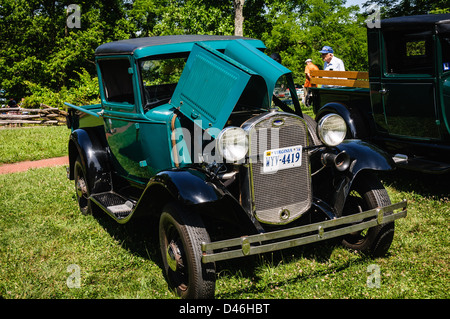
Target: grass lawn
{"x": 45, "y": 244}
{"x": 32, "y": 143}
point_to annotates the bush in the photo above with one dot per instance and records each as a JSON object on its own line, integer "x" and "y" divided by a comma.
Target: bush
{"x": 83, "y": 91}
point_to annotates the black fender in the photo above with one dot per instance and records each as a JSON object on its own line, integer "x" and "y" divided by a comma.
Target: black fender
{"x": 364, "y": 157}
{"x": 190, "y": 187}
{"x": 356, "y": 126}
{"x": 93, "y": 152}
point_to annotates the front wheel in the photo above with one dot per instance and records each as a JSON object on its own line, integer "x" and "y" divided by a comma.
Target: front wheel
{"x": 181, "y": 233}
{"x": 368, "y": 193}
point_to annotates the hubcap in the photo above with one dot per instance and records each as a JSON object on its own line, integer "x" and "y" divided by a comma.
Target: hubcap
{"x": 174, "y": 259}
{"x": 81, "y": 188}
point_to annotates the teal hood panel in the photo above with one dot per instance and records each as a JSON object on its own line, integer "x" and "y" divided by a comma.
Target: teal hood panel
{"x": 209, "y": 87}
{"x": 257, "y": 61}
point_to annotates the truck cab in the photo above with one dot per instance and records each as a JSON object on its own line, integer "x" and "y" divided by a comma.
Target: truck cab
{"x": 406, "y": 109}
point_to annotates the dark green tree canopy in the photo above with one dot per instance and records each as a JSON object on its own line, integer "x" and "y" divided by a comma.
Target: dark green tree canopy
{"x": 41, "y": 56}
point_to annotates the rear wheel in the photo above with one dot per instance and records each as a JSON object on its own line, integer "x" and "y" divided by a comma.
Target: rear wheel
{"x": 180, "y": 234}
{"x": 368, "y": 193}
{"x": 81, "y": 188}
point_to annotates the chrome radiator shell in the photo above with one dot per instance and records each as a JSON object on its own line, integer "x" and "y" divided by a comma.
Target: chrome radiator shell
{"x": 282, "y": 196}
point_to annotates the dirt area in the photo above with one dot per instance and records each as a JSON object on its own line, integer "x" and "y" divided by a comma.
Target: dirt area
{"x": 24, "y": 166}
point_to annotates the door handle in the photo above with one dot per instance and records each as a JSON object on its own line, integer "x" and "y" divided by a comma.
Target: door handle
{"x": 383, "y": 91}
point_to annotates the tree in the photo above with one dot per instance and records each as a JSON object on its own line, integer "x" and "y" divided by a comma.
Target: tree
{"x": 39, "y": 53}
{"x": 238, "y": 17}
{"x": 400, "y": 8}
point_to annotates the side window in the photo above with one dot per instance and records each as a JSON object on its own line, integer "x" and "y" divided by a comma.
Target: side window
{"x": 117, "y": 81}
{"x": 445, "y": 43}
{"x": 159, "y": 78}
{"x": 409, "y": 53}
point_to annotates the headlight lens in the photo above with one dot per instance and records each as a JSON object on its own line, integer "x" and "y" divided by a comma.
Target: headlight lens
{"x": 232, "y": 144}
{"x": 332, "y": 129}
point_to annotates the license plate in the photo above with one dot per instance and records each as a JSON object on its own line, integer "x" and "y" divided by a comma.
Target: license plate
{"x": 282, "y": 158}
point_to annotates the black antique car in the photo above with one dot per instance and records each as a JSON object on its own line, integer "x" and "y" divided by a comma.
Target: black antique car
{"x": 405, "y": 110}
{"x": 189, "y": 132}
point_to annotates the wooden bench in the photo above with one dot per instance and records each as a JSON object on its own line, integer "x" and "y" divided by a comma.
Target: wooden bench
{"x": 355, "y": 79}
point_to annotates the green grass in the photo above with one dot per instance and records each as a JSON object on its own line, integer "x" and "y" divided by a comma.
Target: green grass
{"x": 42, "y": 233}
{"x": 33, "y": 143}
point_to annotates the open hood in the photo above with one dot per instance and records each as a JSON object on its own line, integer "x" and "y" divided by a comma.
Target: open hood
{"x": 209, "y": 87}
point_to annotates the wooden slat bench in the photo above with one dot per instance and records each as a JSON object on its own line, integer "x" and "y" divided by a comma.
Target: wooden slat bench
{"x": 341, "y": 78}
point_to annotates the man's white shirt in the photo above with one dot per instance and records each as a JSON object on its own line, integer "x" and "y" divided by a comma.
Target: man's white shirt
{"x": 335, "y": 64}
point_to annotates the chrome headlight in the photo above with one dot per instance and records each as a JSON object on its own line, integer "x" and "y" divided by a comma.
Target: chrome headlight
{"x": 232, "y": 143}
{"x": 332, "y": 129}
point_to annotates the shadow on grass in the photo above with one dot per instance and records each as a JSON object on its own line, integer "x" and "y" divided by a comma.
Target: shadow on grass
{"x": 418, "y": 183}
{"x": 138, "y": 236}
{"x": 250, "y": 267}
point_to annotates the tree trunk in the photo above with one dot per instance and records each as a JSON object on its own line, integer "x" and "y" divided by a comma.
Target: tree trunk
{"x": 238, "y": 17}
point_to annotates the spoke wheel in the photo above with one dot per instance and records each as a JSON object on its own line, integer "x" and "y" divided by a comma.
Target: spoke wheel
{"x": 368, "y": 193}
{"x": 181, "y": 233}
{"x": 81, "y": 188}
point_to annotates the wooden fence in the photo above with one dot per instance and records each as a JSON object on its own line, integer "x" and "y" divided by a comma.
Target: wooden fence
{"x": 45, "y": 115}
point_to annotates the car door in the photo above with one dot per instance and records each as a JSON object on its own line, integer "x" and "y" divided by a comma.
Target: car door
{"x": 121, "y": 116}
{"x": 408, "y": 85}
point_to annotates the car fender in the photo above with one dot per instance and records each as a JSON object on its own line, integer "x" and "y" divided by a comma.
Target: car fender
{"x": 356, "y": 127}
{"x": 94, "y": 158}
{"x": 364, "y": 157}
{"x": 188, "y": 186}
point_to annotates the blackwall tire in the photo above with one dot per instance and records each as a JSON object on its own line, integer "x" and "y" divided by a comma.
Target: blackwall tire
{"x": 82, "y": 188}
{"x": 368, "y": 193}
{"x": 181, "y": 233}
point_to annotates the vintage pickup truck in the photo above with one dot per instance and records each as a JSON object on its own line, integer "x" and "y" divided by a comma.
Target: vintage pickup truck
{"x": 190, "y": 135}
{"x": 404, "y": 107}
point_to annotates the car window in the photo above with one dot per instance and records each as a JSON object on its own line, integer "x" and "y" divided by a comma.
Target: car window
{"x": 409, "y": 53}
{"x": 159, "y": 78}
{"x": 117, "y": 80}
{"x": 445, "y": 44}
{"x": 283, "y": 92}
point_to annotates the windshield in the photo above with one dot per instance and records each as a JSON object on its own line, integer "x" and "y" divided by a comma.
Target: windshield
{"x": 159, "y": 78}
{"x": 285, "y": 94}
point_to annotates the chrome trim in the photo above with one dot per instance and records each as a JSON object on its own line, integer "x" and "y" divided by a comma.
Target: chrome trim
{"x": 239, "y": 247}
{"x": 293, "y": 209}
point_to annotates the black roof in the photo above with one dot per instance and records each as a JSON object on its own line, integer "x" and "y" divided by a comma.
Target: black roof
{"x": 440, "y": 22}
{"x": 130, "y": 45}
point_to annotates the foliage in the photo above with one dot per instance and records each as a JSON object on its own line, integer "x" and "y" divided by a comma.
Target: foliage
{"x": 399, "y": 8}
{"x": 40, "y": 55}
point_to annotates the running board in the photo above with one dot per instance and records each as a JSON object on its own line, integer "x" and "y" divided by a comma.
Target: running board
{"x": 114, "y": 204}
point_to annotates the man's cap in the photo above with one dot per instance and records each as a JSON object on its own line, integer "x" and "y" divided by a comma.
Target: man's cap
{"x": 326, "y": 49}
{"x": 308, "y": 60}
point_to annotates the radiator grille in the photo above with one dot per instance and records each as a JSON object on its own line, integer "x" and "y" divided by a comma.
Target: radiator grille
{"x": 282, "y": 196}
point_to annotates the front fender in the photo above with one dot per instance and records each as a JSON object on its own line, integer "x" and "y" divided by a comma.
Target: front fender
{"x": 188, "y": 186}
{"x": 365, "y": 156}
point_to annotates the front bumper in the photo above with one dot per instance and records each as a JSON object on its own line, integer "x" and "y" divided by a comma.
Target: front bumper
{"x": 292, "y": 237}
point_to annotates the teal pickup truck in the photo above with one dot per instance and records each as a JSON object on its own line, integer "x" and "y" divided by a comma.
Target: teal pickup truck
{"x": 190, "y": 137}
{"x": 406, "y": 108}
